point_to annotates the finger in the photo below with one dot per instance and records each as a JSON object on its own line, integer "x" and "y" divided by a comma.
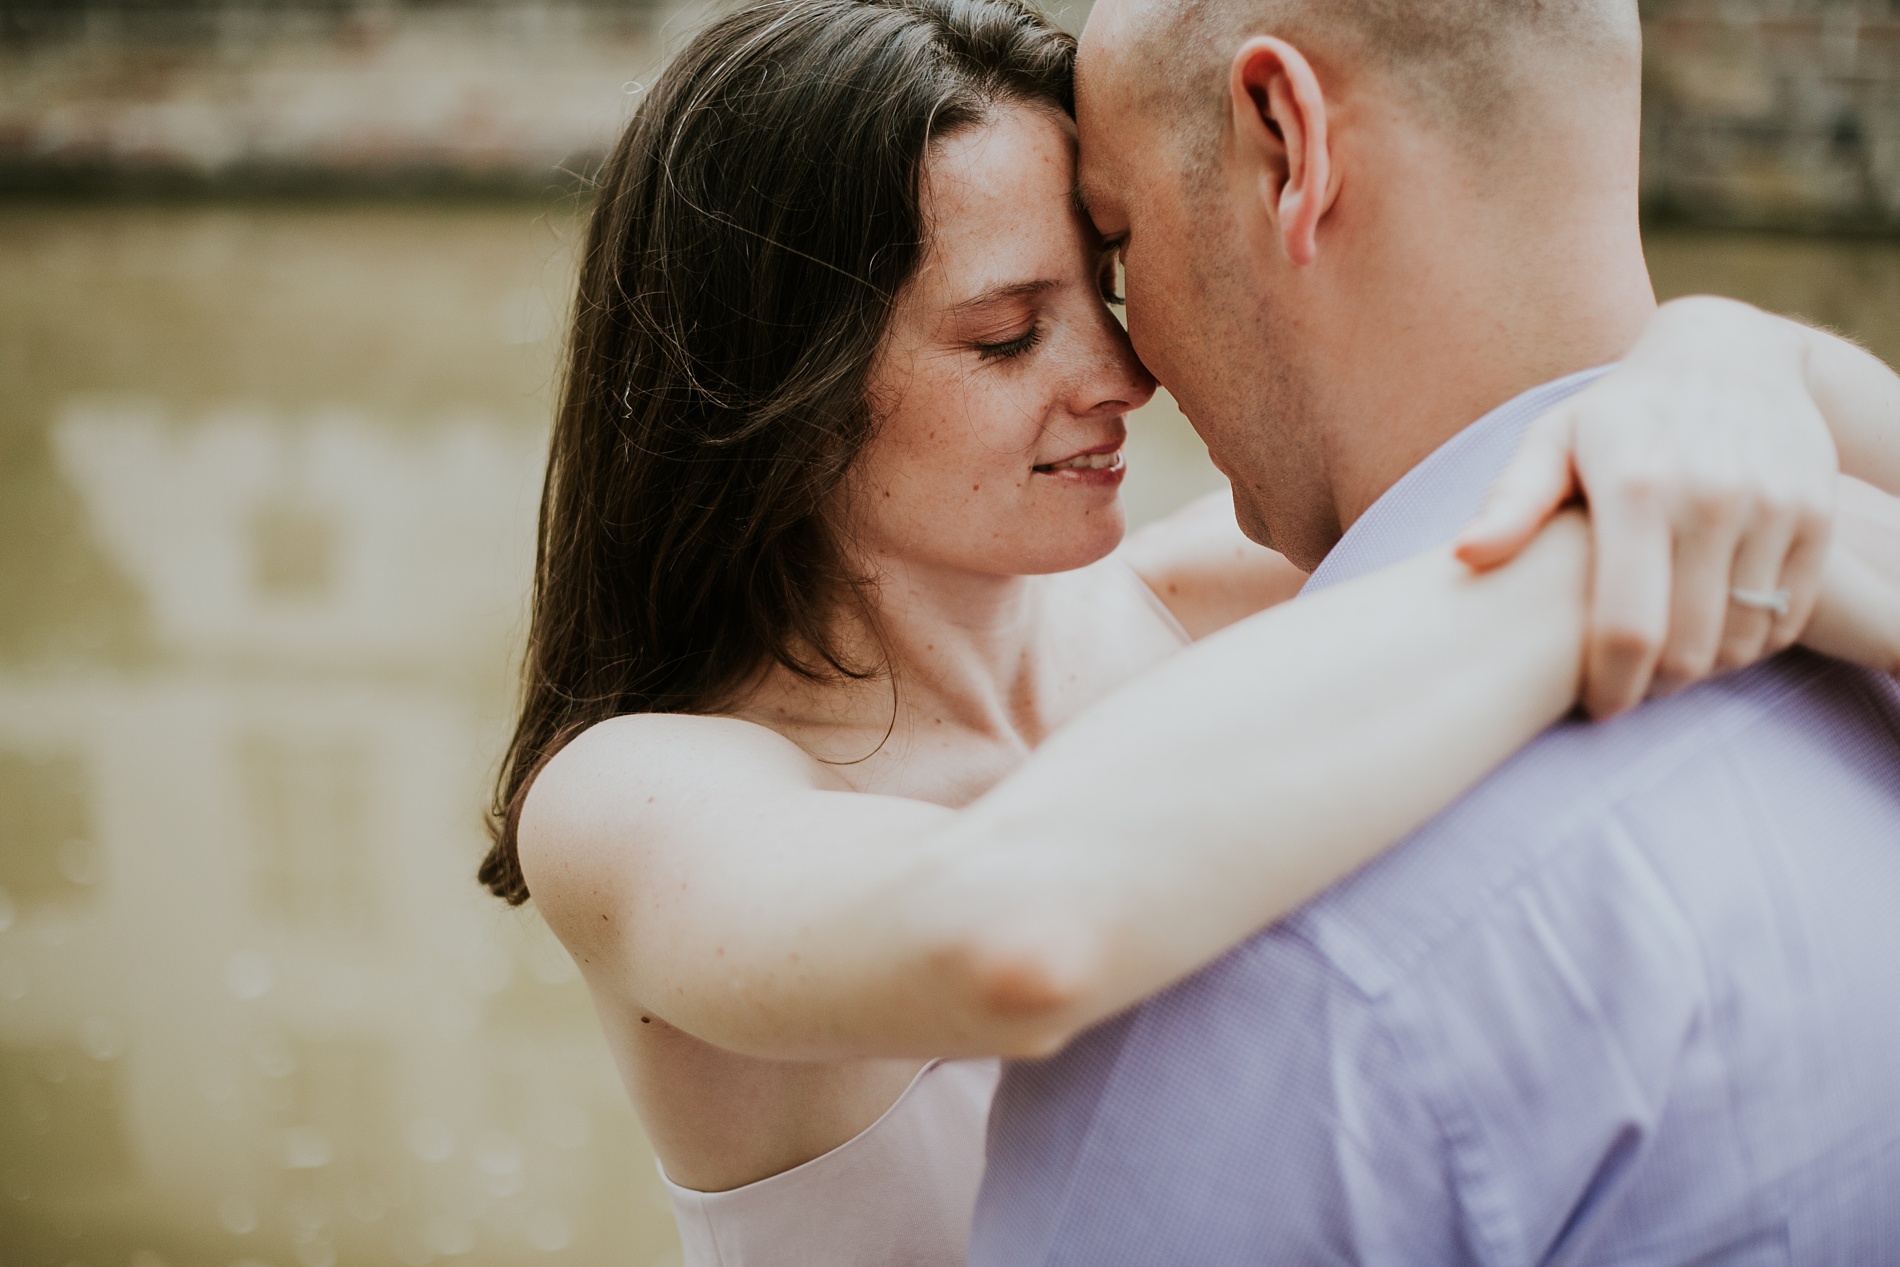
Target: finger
{"x": 1760, "y": 561}
{"x": 1539, "y": 479}
{"x": 1802, "y": 573}
{"x": 1706, "y": 542}
{"x": 1629, "y": 606}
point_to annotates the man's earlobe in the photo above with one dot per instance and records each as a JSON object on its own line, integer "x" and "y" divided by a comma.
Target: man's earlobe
{"x": 1280, "y": 129}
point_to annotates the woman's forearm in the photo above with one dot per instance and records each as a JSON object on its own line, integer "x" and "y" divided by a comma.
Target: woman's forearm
{"x": 1183, "y": 812}
{"x": 1858, "y": 617}
{"x": 1232, "y": 784}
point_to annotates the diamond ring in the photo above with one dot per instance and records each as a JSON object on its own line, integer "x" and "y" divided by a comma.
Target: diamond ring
{"x": 1775, "y": 601}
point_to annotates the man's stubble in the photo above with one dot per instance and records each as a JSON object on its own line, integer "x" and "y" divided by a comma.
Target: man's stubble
{"x": 1248, "y": 387}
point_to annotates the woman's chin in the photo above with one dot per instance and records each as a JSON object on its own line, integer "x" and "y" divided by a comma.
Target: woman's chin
{"x": 1057, "y": 550}
{"x": 1031, "y": 544}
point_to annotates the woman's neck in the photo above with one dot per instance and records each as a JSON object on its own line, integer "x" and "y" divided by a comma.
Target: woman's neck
{"x": 961, "y": 649}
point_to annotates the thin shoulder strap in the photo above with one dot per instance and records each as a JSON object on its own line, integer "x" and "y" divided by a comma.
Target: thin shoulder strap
{"x": 1168, "y": 618}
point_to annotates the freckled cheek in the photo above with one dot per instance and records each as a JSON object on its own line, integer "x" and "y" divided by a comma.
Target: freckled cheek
{"x": 939, "y": 485}
{"x": 981, "y": 459}
{"x": 973, "y": 449}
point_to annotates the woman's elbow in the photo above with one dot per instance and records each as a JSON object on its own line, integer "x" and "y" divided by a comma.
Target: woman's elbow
{"x": 1034, "y": 986}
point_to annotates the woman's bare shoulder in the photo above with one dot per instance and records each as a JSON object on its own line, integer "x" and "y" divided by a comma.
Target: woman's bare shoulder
{"x": 672, "y": 745}
{"x": 1205, "y": 570}
{"x": 633, "y": 778}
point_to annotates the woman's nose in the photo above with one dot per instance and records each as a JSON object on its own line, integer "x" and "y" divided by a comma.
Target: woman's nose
{"x": 1119, "y": 386}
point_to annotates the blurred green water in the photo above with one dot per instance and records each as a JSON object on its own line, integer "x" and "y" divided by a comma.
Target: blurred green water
{"x": 267, "y": 476}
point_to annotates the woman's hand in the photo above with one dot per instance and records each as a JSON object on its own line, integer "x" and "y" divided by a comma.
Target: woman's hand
{"x": 1708, "y": 468}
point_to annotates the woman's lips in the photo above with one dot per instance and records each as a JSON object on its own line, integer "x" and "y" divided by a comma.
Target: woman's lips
{"x": 1103, "y": 466}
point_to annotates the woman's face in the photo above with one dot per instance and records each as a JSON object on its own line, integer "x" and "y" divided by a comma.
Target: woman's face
{"x": 1002, "y": 387}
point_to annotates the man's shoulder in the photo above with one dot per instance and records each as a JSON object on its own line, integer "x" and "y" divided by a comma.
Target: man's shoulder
{"x": 1686, "y": 775}
{"x": 1572, "y": 1000}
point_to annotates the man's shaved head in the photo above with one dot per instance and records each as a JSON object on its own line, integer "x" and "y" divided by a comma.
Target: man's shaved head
{"x": 1461, "y": 63}
{"x": 1348, "y": 227}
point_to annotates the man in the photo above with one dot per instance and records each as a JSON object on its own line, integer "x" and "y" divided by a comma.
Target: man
{"x": 1632, "y": 1000}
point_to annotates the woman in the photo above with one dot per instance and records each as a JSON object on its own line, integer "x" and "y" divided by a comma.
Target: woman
{"x": 828, "y": 552}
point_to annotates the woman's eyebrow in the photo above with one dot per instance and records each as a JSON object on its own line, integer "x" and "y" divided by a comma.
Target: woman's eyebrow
{"x": 1012, "y": 290}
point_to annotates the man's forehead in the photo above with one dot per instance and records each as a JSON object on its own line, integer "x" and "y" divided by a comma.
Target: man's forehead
{"x": 1111, "y": 64}
{"x": 1095, "y": 180}
{"x": 1110, "y": 23}
{"x": 1109, "y": 128}
{"x": 1110, "y": 70}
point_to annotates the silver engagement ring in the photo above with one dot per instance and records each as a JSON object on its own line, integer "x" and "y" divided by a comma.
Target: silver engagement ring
{"x": 1775, "y": 601}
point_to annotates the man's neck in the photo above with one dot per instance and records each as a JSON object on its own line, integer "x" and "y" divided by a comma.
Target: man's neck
{"x": 1421, "y": 401}
{"x": 1462, "y": 296}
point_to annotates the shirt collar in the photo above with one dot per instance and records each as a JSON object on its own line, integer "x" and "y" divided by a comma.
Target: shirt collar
{"x": 1434, "y": 500}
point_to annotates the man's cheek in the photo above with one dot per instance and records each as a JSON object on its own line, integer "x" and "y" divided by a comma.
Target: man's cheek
{"x": 1148, "y": 311}
{"x": 1152, "y": 353}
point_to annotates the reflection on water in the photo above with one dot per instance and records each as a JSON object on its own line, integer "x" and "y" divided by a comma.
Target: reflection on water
{"x": 267, "y": 478}
{"x": 270, "y": 478}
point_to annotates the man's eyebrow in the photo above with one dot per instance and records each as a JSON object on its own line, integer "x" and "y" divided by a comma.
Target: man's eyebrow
{"x": 1013, "y": 290}
{"x": 1081, "y": 203}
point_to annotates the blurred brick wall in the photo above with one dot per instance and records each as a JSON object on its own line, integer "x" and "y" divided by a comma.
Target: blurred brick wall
{"x": 1774, "y": 113}
{"x": 1781, "y": 113}
{"x": 302, "y": 96}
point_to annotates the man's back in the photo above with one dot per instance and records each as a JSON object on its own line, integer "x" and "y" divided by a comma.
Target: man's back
{"x": 1631, "y": 1000}
{"x": 1648, "y": 1015}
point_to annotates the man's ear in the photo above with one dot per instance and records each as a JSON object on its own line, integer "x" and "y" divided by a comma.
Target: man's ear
{"x": 1279, "y": 116}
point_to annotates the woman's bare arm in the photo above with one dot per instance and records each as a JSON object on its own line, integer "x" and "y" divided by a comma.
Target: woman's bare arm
{"x": 1858, "y": 617}
{"x": 708, "y": 870}
{"x": 1859, "y": 396}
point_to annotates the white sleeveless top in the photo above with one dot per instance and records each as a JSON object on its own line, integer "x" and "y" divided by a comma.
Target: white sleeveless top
{"x": 901, "y": 1193}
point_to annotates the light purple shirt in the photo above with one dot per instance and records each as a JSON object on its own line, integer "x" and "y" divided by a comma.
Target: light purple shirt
{"x": 1635, "y": 999}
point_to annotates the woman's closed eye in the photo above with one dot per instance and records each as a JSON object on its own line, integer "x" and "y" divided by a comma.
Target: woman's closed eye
{"x": 1009, "y": 348}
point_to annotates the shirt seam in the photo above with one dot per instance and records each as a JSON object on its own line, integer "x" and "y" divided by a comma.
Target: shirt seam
{"x": 1488, "y": 1225}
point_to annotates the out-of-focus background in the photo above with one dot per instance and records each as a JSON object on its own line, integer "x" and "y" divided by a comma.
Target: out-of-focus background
{"x": 281, "y": 289}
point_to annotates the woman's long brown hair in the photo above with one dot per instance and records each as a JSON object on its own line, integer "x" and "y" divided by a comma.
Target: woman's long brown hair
{"x": 751, "y": 232}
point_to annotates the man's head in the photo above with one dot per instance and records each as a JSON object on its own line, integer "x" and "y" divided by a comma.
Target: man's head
{"x": 1351, "y": 224}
